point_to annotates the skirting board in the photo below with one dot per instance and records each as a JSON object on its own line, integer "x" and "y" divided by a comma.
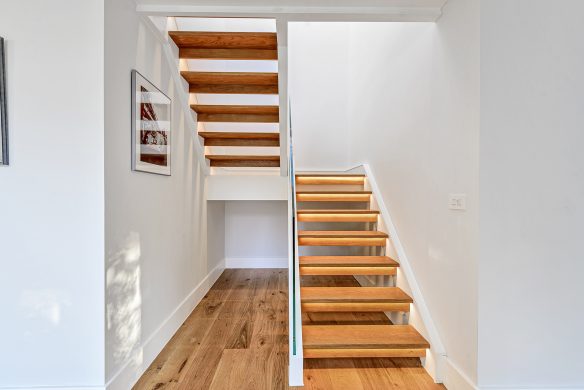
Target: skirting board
{"x": 548, "y": 387}
{"x": 129, "y": 374}
{"x": 256, "y": 262}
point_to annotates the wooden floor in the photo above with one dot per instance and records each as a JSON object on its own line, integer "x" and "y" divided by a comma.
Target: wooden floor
{"x": 237, "y": 338}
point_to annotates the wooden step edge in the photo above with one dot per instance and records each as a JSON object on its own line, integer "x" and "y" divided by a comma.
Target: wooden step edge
{"x": 238, "y": 135}
{"x": 193, "y": 53}
{"x": 362, "y": 337}
{"x": 358, "y": 293}
{"x": 341, "y": 234}
{"x": 346, "y": 271}
{"x": 383, "y": 261}
{"x": 240, "y": 139}
{"x": 331, "y": 353}
{"x": 330, "y": 174}
{"x": 235, "y": 109}
{"x": 337, "y": 217}
{"x": 253, "y": 78}
{"x": 313, "y": 241}
{"x": 358, "y": 307}
{"x": 336, "y": 211}
{"x": 224, "y": 40}
{"x": 334, "y": 192}
{"x": 243, "y": 161}
{"x": 233, "y": 89}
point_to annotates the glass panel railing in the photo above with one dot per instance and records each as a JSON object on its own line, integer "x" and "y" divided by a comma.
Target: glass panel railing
{"x": 294, "y": 314}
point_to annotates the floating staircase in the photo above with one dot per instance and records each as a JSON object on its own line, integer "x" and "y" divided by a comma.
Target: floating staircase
{"x": 233, "y": 46}
{"x": 346, "y": 202}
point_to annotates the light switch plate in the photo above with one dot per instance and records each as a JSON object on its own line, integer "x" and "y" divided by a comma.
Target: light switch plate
{"x": 457, "y": 201}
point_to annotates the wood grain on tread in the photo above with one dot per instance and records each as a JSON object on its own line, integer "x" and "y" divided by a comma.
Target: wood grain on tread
{"x": 346, "y": 271}
{"x": 306, "y": 174}
{"x": 348, "y": 261}
{"x": 333, "y": 196}
{"x": 354, "y": 299}
{"x": 329, "y": 179}
{"x": 341, "y": 241}
{"x": 362, "y": 337}
{"x": 232, "y": 82}
{"x": 240, "y": 139}
{"x": 341, "y": 234}
{"x": 337, "y": 215}
{"x": 224, "y": 40}
{"x": 227, "y": 54}
{"x": 360, "y": 353}
{"x": 354, "y": 294}
{"x": 337, "y": 211}
{"x": 347, "y": 265}
{"x": 243, "y": 161}
{"x": 341, "y": 238}
{"x": 236, "y": 113}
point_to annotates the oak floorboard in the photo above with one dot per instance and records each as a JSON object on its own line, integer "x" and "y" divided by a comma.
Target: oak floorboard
{"x": 237, "y": 338}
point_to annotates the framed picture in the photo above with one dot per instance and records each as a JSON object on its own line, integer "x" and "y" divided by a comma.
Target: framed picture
{"x": 151, "y": 133}
{"x": 3, "y": 107}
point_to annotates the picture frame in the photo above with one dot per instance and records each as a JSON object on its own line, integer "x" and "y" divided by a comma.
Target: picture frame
{"x": 151, "y": 127}
{"x": 3, "y": 107}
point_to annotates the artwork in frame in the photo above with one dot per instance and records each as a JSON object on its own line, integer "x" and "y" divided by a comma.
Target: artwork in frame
{"x": 3, "y": 107}
{"x": 151, "y": 132}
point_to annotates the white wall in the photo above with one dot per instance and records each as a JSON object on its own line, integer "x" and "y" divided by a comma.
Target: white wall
{"x": 318, "y": 73}
{"x": 410, "y": 109}
{"x": 414, "y": 117}
{"x": 52, "y": 195}
{"x": 156, "y": 226}
{"x": 531, "y": 306}
{"x": 256, "y": 234}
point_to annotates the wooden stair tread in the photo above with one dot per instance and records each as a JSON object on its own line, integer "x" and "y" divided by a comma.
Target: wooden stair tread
{"x": 333, "y": 192}
{"x": 224, "y": 40}
{"x": 195, "y": 53}
{"x": 347, "y": 261}
{"x": 234, "y": 109}
{"x": 236, "y": 113}
{"x": 232, "y": 82}
{"x": 336, "y": 211}
{"x": 330, "y": 174}
{"x": 337, "y": 215}
{"x": 243, "y": 161}
{"x": 354, "y": 294}
{"x": 341, "y": 234}
{"x": 251, "y": 78}
{"x": 341, "y": 238}
{"x": 333, "y": 196}
{"x": 240, "y": 139}
{"x": 324, "y": 179}
{"x": 362, "y": 337}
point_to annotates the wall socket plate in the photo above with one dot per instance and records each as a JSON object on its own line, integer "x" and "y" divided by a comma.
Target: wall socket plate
{"x": 457, "y": 201}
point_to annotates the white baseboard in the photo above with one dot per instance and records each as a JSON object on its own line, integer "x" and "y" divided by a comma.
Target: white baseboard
{"x": 296, "y": 371}
{"x": 256, "y": 262}
{"x": 548, "y": 387}
{"x": 455, "y": 379}
{"x": 131, "y": 371}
